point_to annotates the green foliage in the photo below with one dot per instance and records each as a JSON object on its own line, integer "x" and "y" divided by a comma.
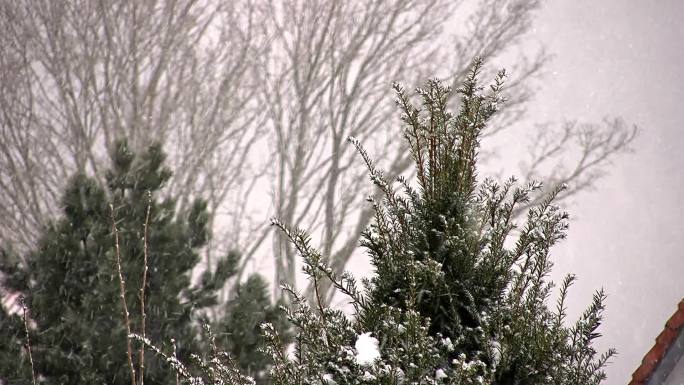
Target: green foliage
{"x": 12, "y": 350}
{"x": 460, "y": 292}
{"x": 241, "y": 326}
{"x": 71, "y": 283}
{"x": 241, "y": 358}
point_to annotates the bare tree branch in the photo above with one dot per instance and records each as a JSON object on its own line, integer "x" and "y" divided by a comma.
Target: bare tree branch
{"x": 594, "y": 146}
{"x": 76, "y": 76}
{"x": 327, "y": 78}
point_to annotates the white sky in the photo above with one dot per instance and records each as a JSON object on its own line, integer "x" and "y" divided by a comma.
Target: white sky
{"x": 622, "y": 58}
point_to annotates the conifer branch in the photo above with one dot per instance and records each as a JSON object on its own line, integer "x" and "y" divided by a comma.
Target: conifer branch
{"x": 122, "y": 289}
{"x": 312, "y": 258}
{"x": 175, "y": 364}
{"x": 28, "y": 339}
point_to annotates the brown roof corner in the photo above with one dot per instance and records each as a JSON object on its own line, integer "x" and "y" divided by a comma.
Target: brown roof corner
{"x": 663, "y": 342}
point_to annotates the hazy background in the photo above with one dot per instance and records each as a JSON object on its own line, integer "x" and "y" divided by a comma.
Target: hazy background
{"x": 622, "y": 58}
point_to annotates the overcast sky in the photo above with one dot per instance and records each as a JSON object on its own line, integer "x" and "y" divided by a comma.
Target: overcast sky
{"x": 622, "y": 58}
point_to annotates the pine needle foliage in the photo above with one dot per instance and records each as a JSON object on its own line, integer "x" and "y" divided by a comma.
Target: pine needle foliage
{"x": 460, "y": 292}
{"x": 240, "y": 327}
{"x": 72, "y": 287}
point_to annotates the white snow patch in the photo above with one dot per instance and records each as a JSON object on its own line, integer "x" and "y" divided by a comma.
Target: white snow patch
{"x": 366, "y": 349}
{"x": 367, "y": 376}
{"x": 446, "y": 342}
{"x": 439, "y": 374}
{"x": 496, "y": 353}
{"x": 328, "y": 379}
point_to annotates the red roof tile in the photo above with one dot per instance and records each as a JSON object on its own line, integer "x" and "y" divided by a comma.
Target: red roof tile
{"x": 651, "y": 360}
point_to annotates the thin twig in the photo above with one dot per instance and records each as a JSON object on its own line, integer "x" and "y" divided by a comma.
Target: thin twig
{"x": 173, "y": 343}
{"x": 122, "y": 289}
{"x": 28, "y": 341}
{"x": 143, "y": 316}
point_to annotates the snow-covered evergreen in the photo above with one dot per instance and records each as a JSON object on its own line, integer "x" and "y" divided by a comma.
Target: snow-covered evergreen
{"x": 451, "y": 302}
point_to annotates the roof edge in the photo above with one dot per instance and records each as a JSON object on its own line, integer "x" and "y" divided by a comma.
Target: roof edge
{"x": 661, "y": 356}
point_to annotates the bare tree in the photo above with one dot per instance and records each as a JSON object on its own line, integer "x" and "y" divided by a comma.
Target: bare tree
{"x": 328, "y": 76}
{"x": 214, "y": 80}
{"x": 77, "y": 75}
{"x": 325, "y": 79}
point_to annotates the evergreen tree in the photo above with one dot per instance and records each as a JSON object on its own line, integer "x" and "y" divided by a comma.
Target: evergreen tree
{"x": 15, "y": 367}
{"x": 72, "y": 288}
{"x": 460, "y": 292}
{"x": 240, "y": 327}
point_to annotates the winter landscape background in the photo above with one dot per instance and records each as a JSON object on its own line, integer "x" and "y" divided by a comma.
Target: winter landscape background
{"x": 609, "y": 59}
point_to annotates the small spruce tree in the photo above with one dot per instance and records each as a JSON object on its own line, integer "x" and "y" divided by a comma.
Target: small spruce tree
{"x": 72, "y": 288}
{"x": 460, "y": 292}
{"x": 240, "y": 327}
